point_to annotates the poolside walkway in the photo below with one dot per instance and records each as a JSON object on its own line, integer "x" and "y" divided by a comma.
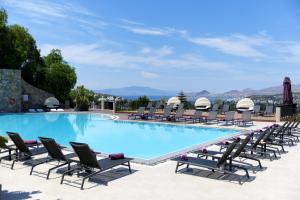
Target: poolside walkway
{"x": 280, "y": 180}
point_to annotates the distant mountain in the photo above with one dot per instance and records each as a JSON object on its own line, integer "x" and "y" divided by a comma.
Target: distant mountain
{"x": 148, "y": 91}
{"x": 202, "y": 93}
{"x": 264, "y": 91}
{"x": 137, "y": 91}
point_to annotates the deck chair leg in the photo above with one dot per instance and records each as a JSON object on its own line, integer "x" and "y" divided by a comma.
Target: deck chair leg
{"x": 88, "y": 176}
{"x": 33, "y": 166}
{"x": 49, "y": 171}
{"x": 12, "y": 165}
{"x": 129, "y": 168}
{"x": 67, "y": 172}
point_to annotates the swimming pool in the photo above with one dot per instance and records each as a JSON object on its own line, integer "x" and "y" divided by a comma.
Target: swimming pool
{"x": 147, "y": 142}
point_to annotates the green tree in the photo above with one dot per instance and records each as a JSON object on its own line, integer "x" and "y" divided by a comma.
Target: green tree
{"x": 60, "y": 76}
{"x": 182, "y": 97}
{"x": 143, "y": 101}
{"x": 18, "y": 50}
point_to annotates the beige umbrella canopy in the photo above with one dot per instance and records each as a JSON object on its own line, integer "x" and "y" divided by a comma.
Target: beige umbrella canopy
{"x": 245, "y": 104}
{"x": 202, "y": 103}
{"x": 175, "y": 100}
{"x": 51, "y": 102}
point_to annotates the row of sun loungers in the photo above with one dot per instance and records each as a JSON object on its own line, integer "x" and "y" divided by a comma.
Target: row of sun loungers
{"x": 83, "y": 158}
{"x": 233, "y": 155}
{"x": 229, "y": 118}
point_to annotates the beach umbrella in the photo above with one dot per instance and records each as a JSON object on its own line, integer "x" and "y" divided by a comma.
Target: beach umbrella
{"x": 287, "y": 91}
{"x": 51, "y": 102}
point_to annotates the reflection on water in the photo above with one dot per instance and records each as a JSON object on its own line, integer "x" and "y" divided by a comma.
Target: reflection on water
{"x": 139, "y": 140}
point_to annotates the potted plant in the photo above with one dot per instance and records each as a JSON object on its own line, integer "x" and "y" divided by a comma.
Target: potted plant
{"x": 82, "y": 98}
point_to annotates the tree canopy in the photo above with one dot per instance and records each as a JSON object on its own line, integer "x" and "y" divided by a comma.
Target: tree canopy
{"x": 18, "y": 50}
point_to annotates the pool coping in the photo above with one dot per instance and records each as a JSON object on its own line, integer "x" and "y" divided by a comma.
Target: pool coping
{"x": 167, "y": 156}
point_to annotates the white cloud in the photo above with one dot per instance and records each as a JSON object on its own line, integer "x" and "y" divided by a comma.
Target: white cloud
{"x": 147, "y": 30}
{"x": 95, "y": 55}
{"x": 149, "y": 74}
{"x": 237, "y": 44}
{"x": 46, "y": 9}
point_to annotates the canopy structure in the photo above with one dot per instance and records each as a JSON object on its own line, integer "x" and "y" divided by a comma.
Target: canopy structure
{"x": 287, "y": 91}
{"x": 51, "y": 102}
{"x": 245, "y": 104}
{"x": 202, "y": 103}
{"x": 175, "y": 100}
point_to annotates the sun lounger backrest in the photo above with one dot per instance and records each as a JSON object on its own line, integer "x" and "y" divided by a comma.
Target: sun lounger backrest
{"x": 53, "y": 148}
{"x": 269, "y": 109}
{"x": 180, "y": 106}
{"x": 179, "y": 113}
{"x": 229, "y": 115}
{"x": 225, "y": 108}
{"x": 246, "y": 116}
{"x": 226, "y": 154}
{"x": 141, "y": 110}
{"x": 18, "y": 141}
{"x": 260, "y": 137}
{"x": 212, "y": 115}
{"x": 167, "y": 112}
{"x": 152, "y": 111}
{"x": 158, "y": 105}
{"x": 256, "y": 108}
{"x": 215, "y": 107}
{"x": 241, "y": 147}
{"x": 85, "y": 154}
{"x": 197, "y": 114}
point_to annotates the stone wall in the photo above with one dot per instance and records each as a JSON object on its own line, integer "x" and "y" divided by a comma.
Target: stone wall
{"x": 10, "y": 90}
{"x": 36, "y": 97}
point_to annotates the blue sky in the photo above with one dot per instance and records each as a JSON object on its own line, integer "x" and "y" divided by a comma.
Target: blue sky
{"x": 172, "y": 44}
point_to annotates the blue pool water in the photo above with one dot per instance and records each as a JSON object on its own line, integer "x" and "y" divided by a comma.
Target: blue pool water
{"x": 139, "y": 140}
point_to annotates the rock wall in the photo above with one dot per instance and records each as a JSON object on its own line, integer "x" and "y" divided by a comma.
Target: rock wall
{"x": 12, "y": 87}
{"x": 10, "y": 90}
{"x": 36, "y": 97}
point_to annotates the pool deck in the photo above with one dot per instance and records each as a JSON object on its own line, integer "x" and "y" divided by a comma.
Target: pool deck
{"x": 280, "y": 179}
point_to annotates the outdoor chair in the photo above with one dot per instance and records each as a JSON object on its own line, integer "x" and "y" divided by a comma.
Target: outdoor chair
{"x": 88, "y": 162}
{"x": 223, "y": 164}
{"x": 23, "y": 151}
{"x": 54, "y": 154}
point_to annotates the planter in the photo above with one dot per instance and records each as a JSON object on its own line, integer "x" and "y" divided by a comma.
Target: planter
{"x": 82, "y": 108}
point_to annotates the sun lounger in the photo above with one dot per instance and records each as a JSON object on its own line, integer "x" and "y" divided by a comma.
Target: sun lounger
{"x": 54, "y": 154}
{"x": 139, "y": 114}
{"x": 212, "y": 117}
{"x": 223, "y": 164}
{"x": 150, "y": 114}
{"x": 228, "y": 119}
{"x": 269, "y": 110}
{"x": 179, "y": 115}
{"x": 225, "y": 108}
{"x": 256, "y": 109}
{"x": 197, "y": 117}
{"x": 245, "y": 120}
{"x": 23, "y": 151}
{"x": 238, "y": 153}
{"x": 166, "y": 115}
{"x": 88, "y": 161}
